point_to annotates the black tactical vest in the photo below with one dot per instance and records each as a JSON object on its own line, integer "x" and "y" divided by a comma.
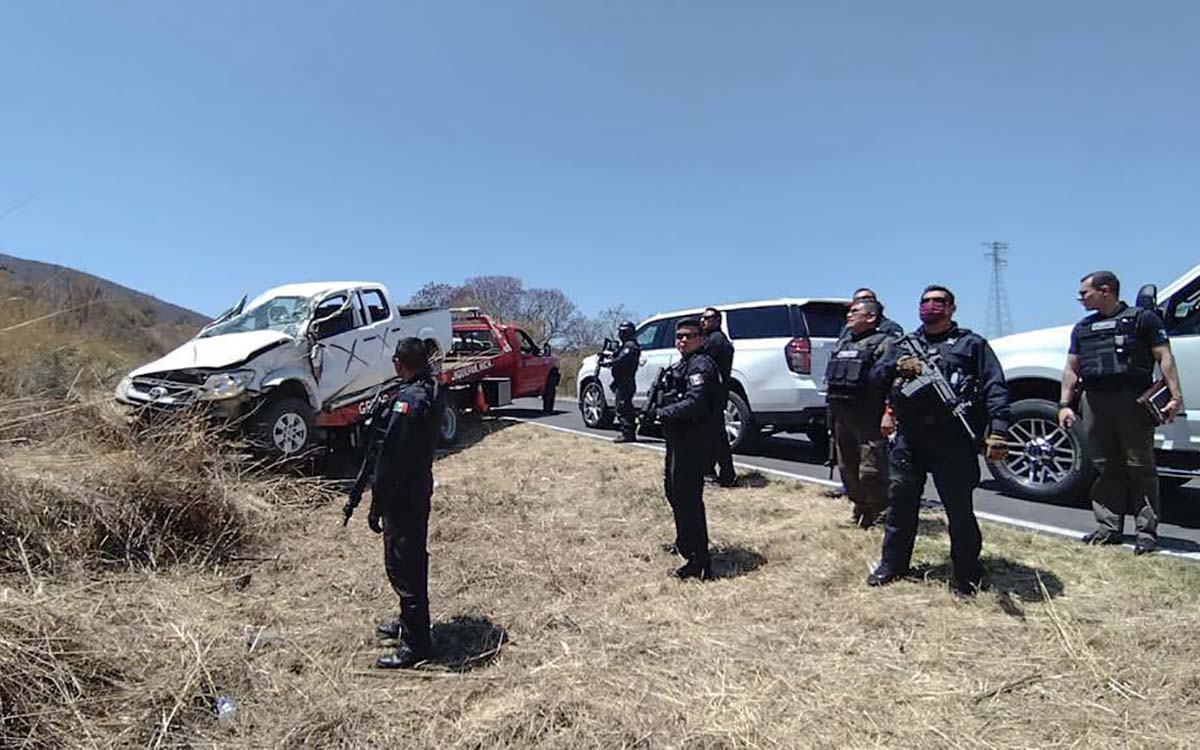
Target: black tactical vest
{"x": 1110, "y": 352}
{"x": 848, "y": 368}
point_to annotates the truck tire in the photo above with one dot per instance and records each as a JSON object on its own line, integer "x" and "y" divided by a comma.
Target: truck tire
{"x": 739, "y": 423}
{"x": 592, "y": 408}
{"x": 285, "y": 427}
{"x": 449, "y": 432}
{"x": 549, "y": 392}
{"x": 1044, "y": 461}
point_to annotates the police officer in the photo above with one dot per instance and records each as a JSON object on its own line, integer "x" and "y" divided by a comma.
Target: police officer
{"x": 718, "y": 346}
{"x": 1111, "y": 358}
{"x": 403, "y": 433}
{"x": 886, "y": 325}
{"x": 624, "y": 371}
{"x": 929, "y": 439}
{"x": 689, "y": 410}
{"x": 856, "y": 404}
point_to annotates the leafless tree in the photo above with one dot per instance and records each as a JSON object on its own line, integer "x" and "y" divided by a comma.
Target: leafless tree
{"x": 551, "y": 309}
{"x": 435, "y": 294}
{"x": 498, "y": 296}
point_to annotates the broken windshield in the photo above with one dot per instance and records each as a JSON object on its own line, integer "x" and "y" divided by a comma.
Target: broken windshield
{"x": 284, "y": 314}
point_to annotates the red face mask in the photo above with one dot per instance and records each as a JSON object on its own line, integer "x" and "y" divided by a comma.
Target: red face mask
{"x": 934, "y": 310}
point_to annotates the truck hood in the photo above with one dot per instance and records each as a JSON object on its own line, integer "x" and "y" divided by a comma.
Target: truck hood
{"x": 216, "y": 352}
{"x": 1043, "y": 339}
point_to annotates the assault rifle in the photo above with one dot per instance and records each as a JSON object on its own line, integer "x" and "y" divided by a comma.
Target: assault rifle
{"x": 371, "y": 455}
{"x": 932, "y": 377}
{"x": 654, "y": 399}
{"x": 605, "y": 356}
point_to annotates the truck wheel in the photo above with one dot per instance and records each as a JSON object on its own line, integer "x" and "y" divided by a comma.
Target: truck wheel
{"x": 739, "y": 423}
{"x": 549, "y": 392}
{"x": 1044, "y": 461}
{"x": 596, "y": 414}
{"x": 449, "y": 432}
{"x": 285, "y": 427}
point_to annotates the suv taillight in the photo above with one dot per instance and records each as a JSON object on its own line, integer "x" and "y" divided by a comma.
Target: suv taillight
{"x": 799, "y": 356}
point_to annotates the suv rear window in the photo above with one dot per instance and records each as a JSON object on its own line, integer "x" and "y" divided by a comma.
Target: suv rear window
{"x": 825, "y": 319}
{"x": 772, "y": 322}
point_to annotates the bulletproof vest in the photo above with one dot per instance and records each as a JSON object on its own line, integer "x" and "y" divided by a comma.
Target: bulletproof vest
{"x": 849, "y": 367}
{"x": 1111, "y": 353}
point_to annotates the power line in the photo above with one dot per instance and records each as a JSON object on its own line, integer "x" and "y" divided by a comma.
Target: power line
{"x": 999, "y": 319}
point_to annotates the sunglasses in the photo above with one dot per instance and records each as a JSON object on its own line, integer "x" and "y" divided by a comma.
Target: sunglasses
{"x": 935, "y": 301}
{"x": 684, "y": 335}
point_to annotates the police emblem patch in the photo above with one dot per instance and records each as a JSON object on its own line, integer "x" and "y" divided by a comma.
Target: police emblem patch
{"x": 697, "y": 379}
{"x": 401, "y": 407}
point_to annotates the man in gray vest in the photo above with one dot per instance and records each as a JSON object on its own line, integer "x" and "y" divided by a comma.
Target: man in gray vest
{"x": 856, "y": 403}
{"x": 1111, "y": 359}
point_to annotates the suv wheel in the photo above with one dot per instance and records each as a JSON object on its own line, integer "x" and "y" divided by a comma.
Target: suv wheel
{"x": 739, "y": 422}
{"x": 286, "y": 427}
{"x": 1045, "y": 462}
{"x": 449, "y": 432}
{"x": 596, "y": 414}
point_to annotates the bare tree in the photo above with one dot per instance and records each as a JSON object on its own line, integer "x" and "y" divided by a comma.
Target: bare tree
{"x": 551, "y": 309}
{"x": 498, "y": 296}
{"x": 435, "y": 294}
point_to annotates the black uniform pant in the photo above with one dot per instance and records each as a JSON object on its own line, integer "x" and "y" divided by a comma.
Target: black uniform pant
{"x": 944, "y": 451}
{"x": 1121, "y": 434}
{"x": 683, "y": 481}
{"x": 405, "y": 512}
{"x": 722, "y": 456}
{"x": 626, "y": 416}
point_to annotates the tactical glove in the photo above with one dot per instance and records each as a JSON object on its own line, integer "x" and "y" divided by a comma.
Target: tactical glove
{"x": 909, "y": 367}
{"x": 995, "y": 448}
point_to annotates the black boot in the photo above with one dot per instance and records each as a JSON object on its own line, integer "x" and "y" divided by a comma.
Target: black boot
{"x": 695, "y": 569}
{"x": 625, "y": 438}
{"x": 389, "y": 630}
{"x": 405, "y": 657}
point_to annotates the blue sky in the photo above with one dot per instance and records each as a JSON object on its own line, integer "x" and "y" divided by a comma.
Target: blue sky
{"x": 656, "y": 154}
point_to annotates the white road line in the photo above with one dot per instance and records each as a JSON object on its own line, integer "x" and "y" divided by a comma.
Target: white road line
{"x": 1043, "y": 528}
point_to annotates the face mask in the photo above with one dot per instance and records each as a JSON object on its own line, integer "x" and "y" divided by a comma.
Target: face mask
{"x": 933, "y": 312}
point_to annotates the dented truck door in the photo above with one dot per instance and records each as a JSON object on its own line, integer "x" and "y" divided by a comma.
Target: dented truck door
{"x": 335, "y": 354}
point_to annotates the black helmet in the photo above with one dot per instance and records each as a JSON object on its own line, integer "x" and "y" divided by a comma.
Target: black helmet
{"x": 625, "y": 331}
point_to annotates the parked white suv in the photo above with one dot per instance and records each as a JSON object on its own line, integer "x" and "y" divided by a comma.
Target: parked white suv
{"x": 781, "y": 347}
{"x": 1051, "y": 463}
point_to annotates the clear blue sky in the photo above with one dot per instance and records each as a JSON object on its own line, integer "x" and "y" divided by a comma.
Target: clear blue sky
{"x": 657, "y": 154}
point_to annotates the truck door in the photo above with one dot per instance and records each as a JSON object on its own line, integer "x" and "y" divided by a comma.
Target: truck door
{"x": 376, "y": 342}
{"x": 533, "y": 368}
{"x": 1183, "y": 326}
{"x": 338, "y": 360}
{"x": 657, "y": 342}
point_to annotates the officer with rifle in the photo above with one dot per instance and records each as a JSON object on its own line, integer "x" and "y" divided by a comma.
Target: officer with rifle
{"x": 856, "y": 405}
{"x": 398, "y": 466}
{"x": 624, "y": 363}
{"x": 691, "y": 393}
{"x": 948, "y": 392}
{"x": 1111, "y": 359}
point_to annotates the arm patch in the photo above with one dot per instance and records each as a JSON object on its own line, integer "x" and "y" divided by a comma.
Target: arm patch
{"x": 402, "y": 407}
{"x": 696, "y": 379}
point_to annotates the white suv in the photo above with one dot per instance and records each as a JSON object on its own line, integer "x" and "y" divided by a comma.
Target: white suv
{"x": 781, "y": 347}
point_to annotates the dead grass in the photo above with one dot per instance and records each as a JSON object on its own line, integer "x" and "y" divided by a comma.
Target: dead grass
{"x": 560, "y": 628}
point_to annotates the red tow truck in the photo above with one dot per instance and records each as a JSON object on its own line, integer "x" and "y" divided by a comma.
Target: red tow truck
{"x": 489, "y": 364}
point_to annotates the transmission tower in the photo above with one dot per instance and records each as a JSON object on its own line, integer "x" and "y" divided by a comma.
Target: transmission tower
{"x": 999, "y": 319}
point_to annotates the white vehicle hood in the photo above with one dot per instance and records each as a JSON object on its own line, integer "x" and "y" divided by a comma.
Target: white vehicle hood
{"x": 1042, "y": 352}
{"x": 214, "y": 352}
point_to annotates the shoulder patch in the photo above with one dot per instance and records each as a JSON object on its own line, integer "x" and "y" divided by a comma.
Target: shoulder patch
{"x": 696, "y": 379}
{"x": 402, "y": 407}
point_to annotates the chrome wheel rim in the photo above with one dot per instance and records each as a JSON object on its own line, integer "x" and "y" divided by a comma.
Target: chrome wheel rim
{"x": 1040, "y": 453}
{"x": 289, "y": 433}
{"x": 593, "y": 405}
{"x": 733, "y": 422}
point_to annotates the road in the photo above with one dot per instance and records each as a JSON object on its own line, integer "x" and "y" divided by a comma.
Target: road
{"x": 791, "y": 455}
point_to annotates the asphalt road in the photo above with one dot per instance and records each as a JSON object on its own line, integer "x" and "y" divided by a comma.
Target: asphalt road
{"x": 792, "y": 455}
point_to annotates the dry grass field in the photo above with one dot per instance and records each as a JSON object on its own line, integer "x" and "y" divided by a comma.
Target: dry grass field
{"x": 557, "y": 624}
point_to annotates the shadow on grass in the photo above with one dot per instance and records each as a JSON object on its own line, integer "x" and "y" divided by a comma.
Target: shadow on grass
{"x": 735, "y": 560}
{"x": 467, "y": 642}
{"x": 1013, "y": 583}
{"x": 753, "y": 479}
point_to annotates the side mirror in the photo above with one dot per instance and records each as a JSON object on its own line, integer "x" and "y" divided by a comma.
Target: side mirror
{"x": 546, "y": 349}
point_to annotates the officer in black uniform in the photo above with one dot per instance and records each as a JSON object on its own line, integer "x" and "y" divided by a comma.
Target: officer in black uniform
{"x": 692, "y": 394}
{"x": 403, "y": 432}
{"x": 931, "y": 440}
{"x": 624, "y": 371}
{"x": 1111, "y": 358}
{"x": 856, "y": 405}
{"x": 886, "y": 324}
{"x": 718, "y": 346}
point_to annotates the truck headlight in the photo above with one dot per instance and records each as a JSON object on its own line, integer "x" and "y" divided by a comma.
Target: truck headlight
{"x": 225, "y": 385}
{"x": 124, "y": 387}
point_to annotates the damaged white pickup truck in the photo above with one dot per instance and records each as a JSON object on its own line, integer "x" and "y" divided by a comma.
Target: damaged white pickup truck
{"x": 296, "y": 366}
